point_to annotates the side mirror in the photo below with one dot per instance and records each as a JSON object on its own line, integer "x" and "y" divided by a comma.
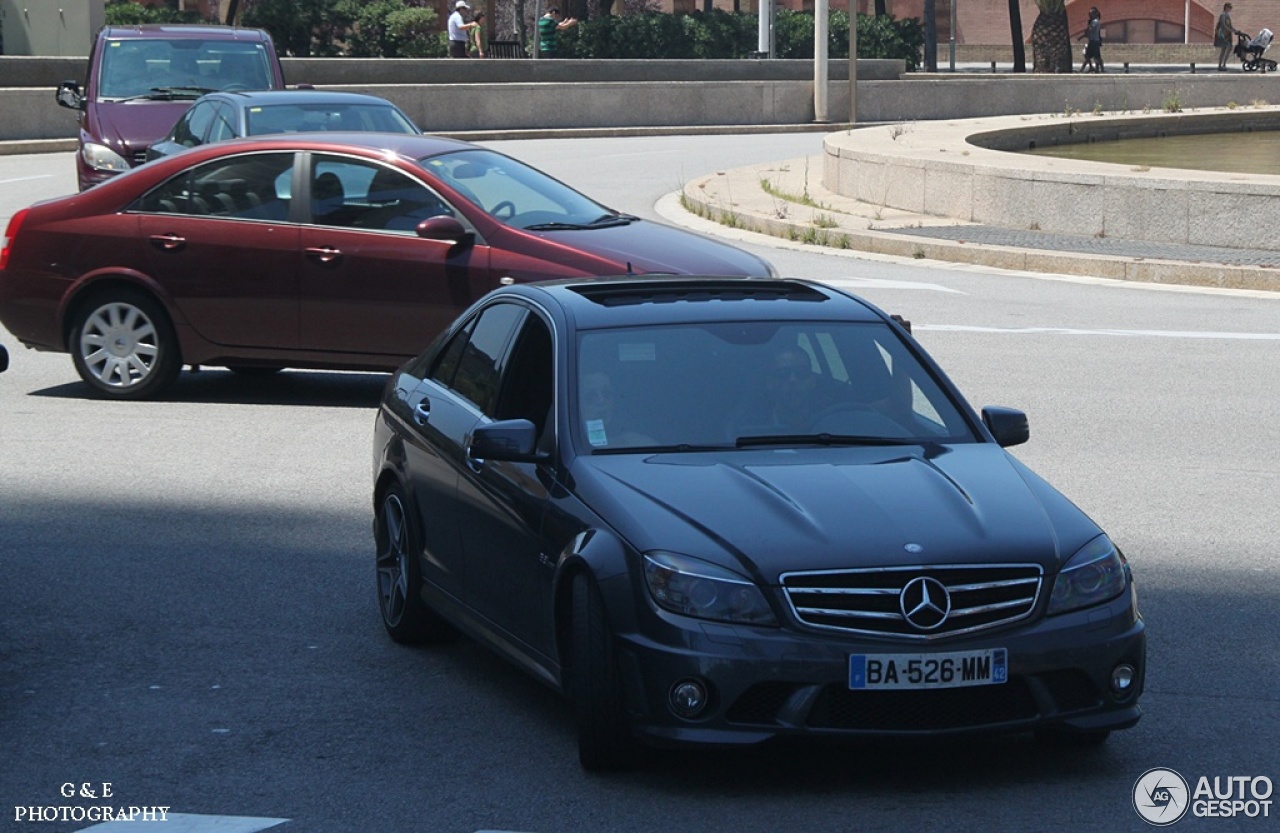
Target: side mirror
{"x": 1008, "y": 425}
{"x": 445, "y": 229}
{"x": 68, "y": 95}
{"x": 510, "y": 439}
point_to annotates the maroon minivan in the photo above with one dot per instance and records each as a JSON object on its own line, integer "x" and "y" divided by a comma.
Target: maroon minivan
{"x": 143, "y": 78}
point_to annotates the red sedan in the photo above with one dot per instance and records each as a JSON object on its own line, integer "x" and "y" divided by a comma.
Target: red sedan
{"x": 341, "y": 251}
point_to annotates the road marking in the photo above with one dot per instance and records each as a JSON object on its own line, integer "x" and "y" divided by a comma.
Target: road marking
{"x": 25, "y": 178}
{"x": 1069, "y": 331}
{"x": 190, "y": 823}
{"x": 882, "y": 283}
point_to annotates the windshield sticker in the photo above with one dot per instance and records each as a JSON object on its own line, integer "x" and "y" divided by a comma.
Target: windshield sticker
{"x": 595, "y": 432}
{"x": 640, "y": 352}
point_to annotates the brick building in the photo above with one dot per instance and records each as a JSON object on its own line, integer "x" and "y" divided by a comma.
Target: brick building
{"x": 987, "y": 21}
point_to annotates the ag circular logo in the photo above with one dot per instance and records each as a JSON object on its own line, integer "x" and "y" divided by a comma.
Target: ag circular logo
{"x": 1161, "y": 796}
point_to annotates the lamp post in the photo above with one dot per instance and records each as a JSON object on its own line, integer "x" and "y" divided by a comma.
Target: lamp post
{"x": 951, "y": 44}
{"x": 853, "y": 62}
{"x": 820, "y": 40}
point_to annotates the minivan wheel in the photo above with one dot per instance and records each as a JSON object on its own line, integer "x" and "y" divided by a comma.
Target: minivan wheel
{"x": 123, "y": 346}
{"x": 605, "y": 741}
{"x": 406, "y": 617}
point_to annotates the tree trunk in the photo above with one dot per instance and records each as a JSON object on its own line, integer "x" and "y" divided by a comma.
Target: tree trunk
{"x": 1051, "y": 43}
{"x": 1015, "y": 31}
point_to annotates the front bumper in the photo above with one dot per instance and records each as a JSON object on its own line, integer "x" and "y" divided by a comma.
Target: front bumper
{"x": 766, "y": 683}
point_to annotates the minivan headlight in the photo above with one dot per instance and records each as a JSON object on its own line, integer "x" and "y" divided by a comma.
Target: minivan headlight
{"x": 1093, "y": 575}
{"x": 103, "y": 158}
{"x": 692, "y": 587}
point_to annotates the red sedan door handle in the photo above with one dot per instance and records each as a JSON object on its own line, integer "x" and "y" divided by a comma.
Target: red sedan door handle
{"x": 168, "y": 242}
{"x": 324, "y": 254}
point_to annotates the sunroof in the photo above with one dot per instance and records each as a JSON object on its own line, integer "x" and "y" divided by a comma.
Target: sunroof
{"x": 696, "y": 291}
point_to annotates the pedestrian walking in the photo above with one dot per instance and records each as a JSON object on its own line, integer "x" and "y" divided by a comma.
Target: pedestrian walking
{"x": 459, "y": 31}
{"x": 1224, "y": 37}
{"x": 1093, "y": 42}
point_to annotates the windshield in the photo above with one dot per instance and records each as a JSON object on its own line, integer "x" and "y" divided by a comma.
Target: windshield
{"x": 307, "y": 117}
{"x": 517, "y": 194}
{"x": 741, "y": 385}
{"x": 155, "y": 67}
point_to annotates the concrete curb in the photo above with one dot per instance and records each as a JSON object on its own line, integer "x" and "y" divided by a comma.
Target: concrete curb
{"x": 786, "y": 200}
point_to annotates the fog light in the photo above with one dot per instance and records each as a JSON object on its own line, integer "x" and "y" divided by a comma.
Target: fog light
{"x": 688, "y": 698}
{"x": 1122, "y": 679}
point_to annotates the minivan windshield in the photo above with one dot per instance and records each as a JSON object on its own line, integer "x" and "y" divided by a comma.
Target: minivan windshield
{"x": 180, "y": 67}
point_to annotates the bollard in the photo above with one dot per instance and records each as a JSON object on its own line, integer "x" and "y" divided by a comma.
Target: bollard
{"x": 993, "y": 66}
{"x": 1126, "y": 67}
{"x": 1193, "y": 67}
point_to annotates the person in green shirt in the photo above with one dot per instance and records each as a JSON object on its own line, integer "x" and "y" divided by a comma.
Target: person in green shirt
{"x": 549, "y": 26}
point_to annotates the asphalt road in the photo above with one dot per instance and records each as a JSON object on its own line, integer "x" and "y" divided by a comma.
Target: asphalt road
{"x": 187, "y": 609}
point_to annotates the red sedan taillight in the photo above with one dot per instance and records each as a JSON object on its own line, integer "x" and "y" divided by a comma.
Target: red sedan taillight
{"x": 6, "y": 242}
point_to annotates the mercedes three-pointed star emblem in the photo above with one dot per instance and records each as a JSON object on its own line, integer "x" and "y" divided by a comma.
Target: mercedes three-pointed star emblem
{"x": 925, "y": 603}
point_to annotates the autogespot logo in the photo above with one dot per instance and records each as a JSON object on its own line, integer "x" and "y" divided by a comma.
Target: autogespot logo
{"x": 1160, "y": 796}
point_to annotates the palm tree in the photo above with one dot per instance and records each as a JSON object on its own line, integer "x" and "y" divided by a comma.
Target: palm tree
{"x": 1051, "y": 38}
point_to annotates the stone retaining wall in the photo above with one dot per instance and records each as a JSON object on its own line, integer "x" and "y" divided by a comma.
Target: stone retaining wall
{"x": 949, "y": 169}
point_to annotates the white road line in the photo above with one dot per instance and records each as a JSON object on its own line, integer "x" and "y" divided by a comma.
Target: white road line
{"x": 1069, "y": 331}
{"x": 190, "y": 823}
{"x": 882, "y": 283}
{"x": 25, "y": 178}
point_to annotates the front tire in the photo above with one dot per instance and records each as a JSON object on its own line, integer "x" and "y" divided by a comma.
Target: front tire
{"x": 605, "y": 741}
{"x": 406, "y": 617}
{"x": 123, "y": 346}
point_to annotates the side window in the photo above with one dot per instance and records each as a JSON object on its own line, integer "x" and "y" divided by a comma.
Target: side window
{"x": 356, "y": 194}
{"x": 241, "y": 187}
{"x": 451, "y": 355}
{"x": 529, "y": 380}
{"x": 192, "y": 127}
{"x": 223, "y": 123}
{"x": 480, "y": 363}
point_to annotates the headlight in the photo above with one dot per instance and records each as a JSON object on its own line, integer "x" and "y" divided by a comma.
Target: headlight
{"x": 103, "y": 158}
{"x": 697, "y": 588}
{"x": 1093, "y": 575}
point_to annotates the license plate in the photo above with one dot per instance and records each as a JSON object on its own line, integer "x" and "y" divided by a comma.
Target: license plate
{"x": 885, "y": 672}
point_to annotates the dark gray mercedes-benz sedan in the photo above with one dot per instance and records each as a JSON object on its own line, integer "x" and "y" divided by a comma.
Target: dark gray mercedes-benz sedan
{"x": 729, "y": 510}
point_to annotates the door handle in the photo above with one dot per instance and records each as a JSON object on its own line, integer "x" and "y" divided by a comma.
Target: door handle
{"x": 324, "y": 254}
{"x": 422, "y": 412}
{"x": 168, "y": 242}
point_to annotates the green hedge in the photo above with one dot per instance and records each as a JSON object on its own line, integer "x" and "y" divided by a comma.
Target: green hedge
{"x": 410, "y": 28}
{"x": 720, "y": 34}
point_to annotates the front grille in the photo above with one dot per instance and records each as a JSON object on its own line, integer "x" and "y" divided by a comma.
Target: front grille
{"x": 1070, "y": 690}
{"x": 922, "y": 711}
{"x": 836, "y": 707}
{"x": 871, "y": 601}
{"x": 761, "y": 703}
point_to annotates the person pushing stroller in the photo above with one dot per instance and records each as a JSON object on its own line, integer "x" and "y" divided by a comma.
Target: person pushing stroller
{"x": 1224, "y": 36}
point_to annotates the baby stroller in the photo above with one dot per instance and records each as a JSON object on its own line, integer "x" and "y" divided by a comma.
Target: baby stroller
{"x": 1249, "y": 51}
